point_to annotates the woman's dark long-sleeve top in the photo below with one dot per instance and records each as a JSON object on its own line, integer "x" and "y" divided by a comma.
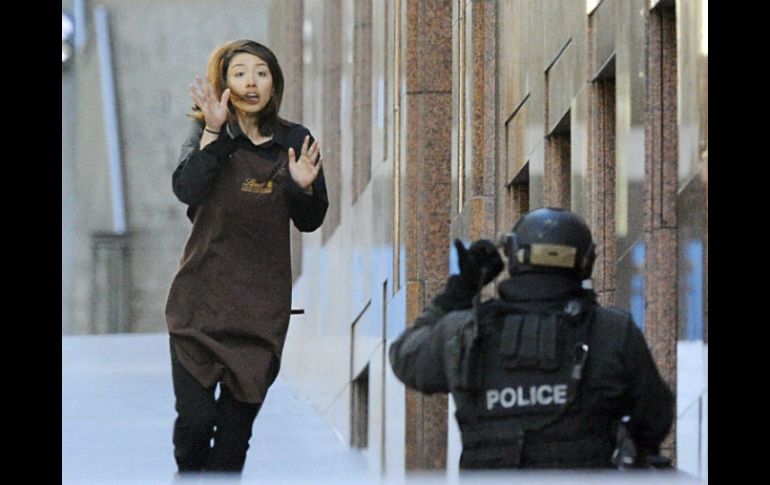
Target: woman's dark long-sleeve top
{"x": 229, "y": 304}
{"x": 197, "y": 168}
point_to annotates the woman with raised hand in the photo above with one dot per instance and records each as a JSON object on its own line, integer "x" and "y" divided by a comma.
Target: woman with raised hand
{"x": 245, "y": 175}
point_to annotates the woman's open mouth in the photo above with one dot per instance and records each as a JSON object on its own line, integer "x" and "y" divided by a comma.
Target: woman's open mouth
{"x": 251, "y": 98}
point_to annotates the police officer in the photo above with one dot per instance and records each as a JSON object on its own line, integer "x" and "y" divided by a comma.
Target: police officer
{"x": 543, "y": 375}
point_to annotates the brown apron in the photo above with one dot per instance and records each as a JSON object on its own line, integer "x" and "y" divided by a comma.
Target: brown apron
{"x": 229, "y": 304}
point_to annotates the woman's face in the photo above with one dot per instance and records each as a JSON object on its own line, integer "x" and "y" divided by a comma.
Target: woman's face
{"x": 250, "y": 83}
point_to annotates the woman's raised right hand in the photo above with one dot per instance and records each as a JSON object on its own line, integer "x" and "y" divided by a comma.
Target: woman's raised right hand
{"x": 214, "y": 110}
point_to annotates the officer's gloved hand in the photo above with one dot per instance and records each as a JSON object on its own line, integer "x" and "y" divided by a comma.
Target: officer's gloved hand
{"x": 480, "y": 260}
{"x": 481, "y": 257}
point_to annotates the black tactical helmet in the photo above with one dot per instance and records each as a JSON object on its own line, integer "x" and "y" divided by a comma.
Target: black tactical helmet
{"x": 550, "y": 240}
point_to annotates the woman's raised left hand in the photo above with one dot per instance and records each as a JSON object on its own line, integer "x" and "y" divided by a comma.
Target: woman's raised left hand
{"x": 305, "y": 169}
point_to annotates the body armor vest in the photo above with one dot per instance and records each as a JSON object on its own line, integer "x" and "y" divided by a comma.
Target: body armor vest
{"x": 517, "y": 388}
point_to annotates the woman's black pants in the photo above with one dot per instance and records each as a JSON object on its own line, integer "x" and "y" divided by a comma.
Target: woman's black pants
{"x": 200, "y": 417}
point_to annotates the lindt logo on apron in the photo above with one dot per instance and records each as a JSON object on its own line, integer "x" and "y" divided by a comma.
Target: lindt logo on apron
{"x": 251, "y": 185}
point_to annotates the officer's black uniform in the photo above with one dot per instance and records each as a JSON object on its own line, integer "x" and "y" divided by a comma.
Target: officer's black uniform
{"x": 543, "y": 379}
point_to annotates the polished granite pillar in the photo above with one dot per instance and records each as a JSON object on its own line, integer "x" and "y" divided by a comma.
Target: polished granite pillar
{"x": 428, "y": 128}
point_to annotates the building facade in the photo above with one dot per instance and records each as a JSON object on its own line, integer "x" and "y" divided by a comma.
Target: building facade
{"x": 449, "y": 119}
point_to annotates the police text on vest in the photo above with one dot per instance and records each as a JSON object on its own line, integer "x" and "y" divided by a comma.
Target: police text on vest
{"x": 536, "y": 395}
